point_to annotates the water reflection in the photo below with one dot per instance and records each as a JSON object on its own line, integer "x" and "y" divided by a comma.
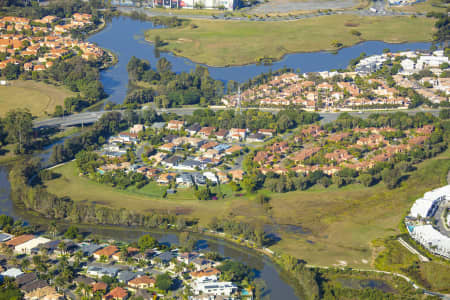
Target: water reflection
{"x": 125, "y": 37}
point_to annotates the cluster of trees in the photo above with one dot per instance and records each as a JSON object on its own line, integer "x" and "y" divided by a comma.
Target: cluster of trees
{"x": 17, "y": 128}
{"x": 253, "y": 119}
{"x": 27, "y": 190}
{"x": 397, "y": 120}
{"x": 304, "y": 278}
{"x": 235, "y": 271}
{"x": 121, "y": 179}
{"x": 236, "y": 228}
{"x": 90, "y": 139}
{"x": 196, "y": 87}
{"x": 442, "y": 25}
{"x": 79, "y": 76}
{"x": 59, "y": 8}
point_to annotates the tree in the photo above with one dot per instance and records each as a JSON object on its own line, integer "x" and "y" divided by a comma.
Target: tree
{"x": 19, "y": 125}
{"x": 5, "y": 221}
{"x": 391, "y": 177}
{"x": 164, "y": 282}
{"x": 147, "y": 242}
{"x": 163, "y": 65}
{"x": 158, "y": 42}
{"x": 366, "y": 179}
{"x": 71, "y": 233}
{"x": 11, "y": 71}
{"x": 187, "y": 241}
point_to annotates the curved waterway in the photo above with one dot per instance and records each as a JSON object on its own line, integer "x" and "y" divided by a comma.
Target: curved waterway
{"x": 276, "y": 286}
{"x": 125, "y": 37}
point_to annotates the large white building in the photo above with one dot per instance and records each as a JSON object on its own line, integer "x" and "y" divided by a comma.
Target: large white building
{"x": 418, "y": 221}
{"x": 427, "y": 205}
{"x": 216, "y": 288}
{"x": 432, "y": 239}
{"x": 31, "y": 245}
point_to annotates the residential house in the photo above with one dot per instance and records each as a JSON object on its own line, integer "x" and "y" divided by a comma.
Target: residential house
{"x": 209, "y": 274}
{"x": 172, "y": 161}
{"x": 193, "y": 129}
{"x": 256, "y": 137}
{"x": 304, "y": 154}
{"x": 267, "y": 132}
{"x": 166, "y": 178}
{"x": 206, "y": 132}
{"x": 175, "y": 125}
{"x": 221, "y": 134}
{"x": 117, "y": 293}
{"x": 125, "y": 276}
{"x": 142, "y": 282}
{"x": 106, "y": 252}
{"x": 137, "y": 128}
{"x": 19, "y": 240}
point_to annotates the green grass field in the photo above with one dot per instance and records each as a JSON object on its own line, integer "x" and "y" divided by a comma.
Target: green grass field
{"x": 38, "y": 97}
{"x": 433, "y": 275}
{"x": 149, "y": 198}
{"x": 343, "y": 222}
{"x": 222, "y": 43}
{"x": 340, "y": 223}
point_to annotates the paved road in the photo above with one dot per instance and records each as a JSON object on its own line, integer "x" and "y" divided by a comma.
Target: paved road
{"x": 92, "y": 117}
{"x": 440, "y": 222}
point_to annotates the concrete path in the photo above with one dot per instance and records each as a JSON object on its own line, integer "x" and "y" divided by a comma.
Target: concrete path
{"x": 413, "y": 250}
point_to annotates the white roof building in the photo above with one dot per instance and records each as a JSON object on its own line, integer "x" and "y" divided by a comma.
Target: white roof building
{"x": 12, "y": 273}
{"x": 432, "y": 239}
{"x": 215, "y": 288}
{"x": 426, "y": 206}
{"x": 27, "y": 247}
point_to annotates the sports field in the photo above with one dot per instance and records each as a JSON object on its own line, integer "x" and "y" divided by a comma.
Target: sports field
{"x": 38, "y": 97}
{"x": 222, "y": 43}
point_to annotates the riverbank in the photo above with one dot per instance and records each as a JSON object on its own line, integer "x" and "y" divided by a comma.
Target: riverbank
{"x": 221, "y": 43}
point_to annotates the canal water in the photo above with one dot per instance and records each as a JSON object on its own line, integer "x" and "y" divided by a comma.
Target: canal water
{"x": 125, "y": 37}
{"x": 276, "y": 286}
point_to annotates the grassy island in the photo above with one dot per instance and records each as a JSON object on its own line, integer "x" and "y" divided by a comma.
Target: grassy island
{"x": 222, "y": 43}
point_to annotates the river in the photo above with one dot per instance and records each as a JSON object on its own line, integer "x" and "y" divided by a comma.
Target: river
{"x": 125, "y": 37}
{"x": 276, "y": 286}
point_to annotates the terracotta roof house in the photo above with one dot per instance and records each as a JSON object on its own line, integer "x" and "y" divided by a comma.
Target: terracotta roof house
{"x": 107, "y": 251}
{"x": 304, "y": 154}
{"x": 117, "y": 294}
{"x": 209, "y": 273}
{"x": 206, "y": 132}
{"x": 142, "y": 282}
{"x": 175, "y": 125}
{"x": 18, "y": 240}
{"x": 99, "y": 286}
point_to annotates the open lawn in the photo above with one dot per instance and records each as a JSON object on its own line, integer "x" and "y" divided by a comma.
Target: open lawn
{"x": 222, "y": 43}
{"x": 38, "y": 97}
{"x": 149, "y": 198}
{"x": 343, "y": 222}
{"x": 340, "y": 224}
